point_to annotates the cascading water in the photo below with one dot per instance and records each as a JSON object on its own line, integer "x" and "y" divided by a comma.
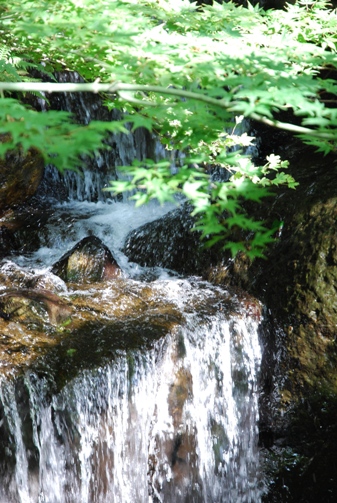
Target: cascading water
{"x": 171, "y": 419}
{"x": 175, "y": 423}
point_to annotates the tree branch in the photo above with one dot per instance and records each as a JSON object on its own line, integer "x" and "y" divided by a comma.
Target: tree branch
{"x": 120, "y": 88}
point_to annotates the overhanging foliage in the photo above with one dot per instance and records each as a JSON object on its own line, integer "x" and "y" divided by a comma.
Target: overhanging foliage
{"x": 184, "y": 73}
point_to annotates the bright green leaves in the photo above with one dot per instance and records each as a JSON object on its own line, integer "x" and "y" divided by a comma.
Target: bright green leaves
{"x": 156, "y": 180}
{"x": 59, "y": 140}
{"x": 272, "y": 173}
{"x": 256, "y": 62}
{"x": 236, "y": 61}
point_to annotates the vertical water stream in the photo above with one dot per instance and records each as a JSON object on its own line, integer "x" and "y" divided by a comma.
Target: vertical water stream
{"x": 177, "y": 423}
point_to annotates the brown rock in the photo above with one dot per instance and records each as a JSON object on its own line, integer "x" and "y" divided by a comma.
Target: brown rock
{"x": 20, "y": 176}
{"x": 33, "y": 306}
{"x": 90, "y": 261}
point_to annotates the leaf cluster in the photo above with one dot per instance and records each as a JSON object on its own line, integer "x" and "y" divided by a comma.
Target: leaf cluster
{"x": 216, "y": 204}
{"x": 60, "y": 141}
{"x": 246, "y": 61}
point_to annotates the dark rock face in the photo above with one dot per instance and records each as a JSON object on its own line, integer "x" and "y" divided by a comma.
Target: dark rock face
{"x": 171, "y": 243}
{"x": 299, "y": 278}
{"x": 302, "y": 290}
{"x": 298, "y": 281}
{"x": 20, "y": 176}
{"x": 90, "y": 261}
{"x": 298, "y": 287}
{"x": 7, "y": 241}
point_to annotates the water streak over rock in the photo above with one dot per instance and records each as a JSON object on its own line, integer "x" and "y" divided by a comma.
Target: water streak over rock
{"x": 173, "y": 420}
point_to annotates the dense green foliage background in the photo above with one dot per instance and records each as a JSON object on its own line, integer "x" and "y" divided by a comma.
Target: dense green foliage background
{"x": 190, "y": 75}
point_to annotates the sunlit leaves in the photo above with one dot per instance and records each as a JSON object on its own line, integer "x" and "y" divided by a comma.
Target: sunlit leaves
{"x": 259, "y": 62}
{"x": 254, "y": 63}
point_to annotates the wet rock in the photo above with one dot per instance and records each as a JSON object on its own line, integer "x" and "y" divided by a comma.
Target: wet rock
{"x": 123, "y": 315}
{"x": 119, "y": 315}
{"x": 7, "y": 241}
{"x": 14, "y": 276}
{"x": 20, "y": 175}
{"x": 300, "y": 281}
{"x": 171, "y": 243}
{"x": 33, "y": 306}
{"x": 21, "y": 226}
{"x": 302, "y": 458}
{"x": 297, "y": 282}
{"x": 298, "y": 287}
{"x": 90, "y": 261}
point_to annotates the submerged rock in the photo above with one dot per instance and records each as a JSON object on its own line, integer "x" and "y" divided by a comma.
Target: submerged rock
{"x": 33, "y": 306}
{"x": 90, "y": 261}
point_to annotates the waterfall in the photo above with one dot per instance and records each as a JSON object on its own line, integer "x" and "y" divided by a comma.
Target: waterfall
{"x": 94, "y": 173}
{"x": 176, "y": 423}
{"x": 172, "y": 421}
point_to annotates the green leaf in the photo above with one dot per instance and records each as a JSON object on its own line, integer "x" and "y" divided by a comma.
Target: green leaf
{"x": 195, "y": 70}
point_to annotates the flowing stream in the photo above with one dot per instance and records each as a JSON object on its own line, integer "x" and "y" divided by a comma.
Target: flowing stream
{"x": 174, "y": 420}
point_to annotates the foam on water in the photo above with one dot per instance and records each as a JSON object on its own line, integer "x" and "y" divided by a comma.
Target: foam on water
{"x": 70, "y": 222}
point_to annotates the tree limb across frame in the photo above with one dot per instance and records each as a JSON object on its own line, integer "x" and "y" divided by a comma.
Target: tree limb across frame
{"x": 120, "y": 88}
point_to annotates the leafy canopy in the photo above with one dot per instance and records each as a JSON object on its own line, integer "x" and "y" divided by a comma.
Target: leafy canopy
{"x": 188, "y": 74}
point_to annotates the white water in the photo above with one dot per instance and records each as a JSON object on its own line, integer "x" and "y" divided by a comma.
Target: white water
{"x": 71, "y": 221}
{"x": 173, "y": 424}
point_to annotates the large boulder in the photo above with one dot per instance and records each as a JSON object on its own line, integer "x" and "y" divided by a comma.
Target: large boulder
{"x": 298, "y": 287}
{"x": 90, "y": 261}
